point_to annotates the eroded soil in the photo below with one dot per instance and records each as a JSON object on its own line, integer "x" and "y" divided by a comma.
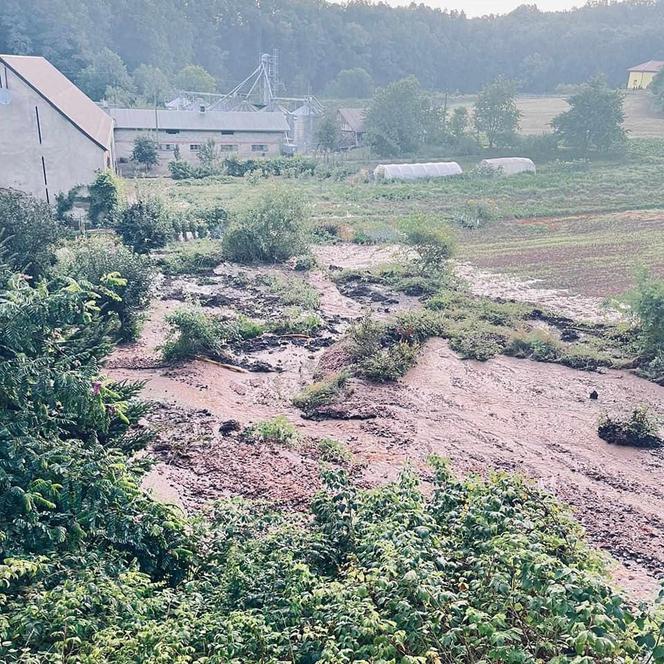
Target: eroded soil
{"x": 505, "y": 414}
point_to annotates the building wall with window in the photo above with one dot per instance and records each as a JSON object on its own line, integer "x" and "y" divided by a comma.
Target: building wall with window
{"x": 244, "y": 145}
{"x": 42, "y": 152}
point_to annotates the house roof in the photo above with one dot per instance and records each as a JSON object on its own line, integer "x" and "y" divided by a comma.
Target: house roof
{"x": 63, "y": 95}
{"x": 650, "y": 66}
{"x": 139, "y": 118}
{"x": 354, "y": 118}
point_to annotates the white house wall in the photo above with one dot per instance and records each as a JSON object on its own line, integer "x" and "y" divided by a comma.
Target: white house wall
{"x": 243, "y": 141}
{"x": 69, "y": 157}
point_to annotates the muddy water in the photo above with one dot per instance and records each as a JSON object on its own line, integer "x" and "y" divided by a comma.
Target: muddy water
{"x": 504, "y": 414}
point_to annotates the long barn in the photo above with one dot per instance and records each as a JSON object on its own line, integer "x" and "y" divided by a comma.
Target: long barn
{"x": 244, "y": 134}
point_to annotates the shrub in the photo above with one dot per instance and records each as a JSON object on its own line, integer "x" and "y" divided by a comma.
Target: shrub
{"x": 145, "y": 226}
{"x": 321, "y": 392}
{"x": 277, "y": 430}
{"x": 389, "y": 363}
{"x": 198, "y": 256}
{"x": 639, "y": 430}
{"x": 648, "y": 303}
{"x": 194, "y": 334}
{"x": 478, "y": 342}
{"x": 419, "y": 325}
{"x": 270, "y": 232}
{"x": 431, "y": 238}
{"x": 104, "y": 195}
{"x": 537, "y": 344}
{"x": 333, "y": 451}
{"x": 183, "y": 170}
{"x": 296, "y": 321}
{"x": 93, "y": 259}
{"x": 295, "y": 291}
{"x": 475, "y": 214}
{"x": 366, "y": 338}
{"x": 29, "y": 233}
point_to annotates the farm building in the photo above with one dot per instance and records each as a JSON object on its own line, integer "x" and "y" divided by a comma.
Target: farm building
{"x": 417, "y": 171}
{"x": 509, "y": 165}
{"x": 351, "y": 126}
{"x": 239, "y": 133}
{"x": 641, "y": 76}
{"x": 52, "y": 136}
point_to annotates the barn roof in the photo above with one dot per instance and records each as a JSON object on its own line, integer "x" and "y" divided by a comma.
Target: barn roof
{"x": 63, "y": 95}
{"x": 354, "y": 118}
{"x": 139, "y": 118}
{"x": 650, "y": 66}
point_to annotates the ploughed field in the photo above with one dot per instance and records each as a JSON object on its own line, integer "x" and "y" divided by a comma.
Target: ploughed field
{"x": 593, "y": 254}
{"x": 505, "y": 414}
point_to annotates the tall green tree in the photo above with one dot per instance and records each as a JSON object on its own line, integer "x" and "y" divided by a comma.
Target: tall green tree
{"x": 594, "y": 120}
{"x": 495, "y": 114}
{"x": 353, "y": 83}
{"x": 195, "y": 79}
{"x": 145, "y": 152}
{"x": 398, "y": 118}
{"x": 152, "y": 83}
{"x": 106, "y": 70}
{"x": 328, "y": 133}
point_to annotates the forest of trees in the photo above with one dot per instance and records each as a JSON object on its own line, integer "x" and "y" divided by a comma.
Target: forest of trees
{"x": 316, "y": 40}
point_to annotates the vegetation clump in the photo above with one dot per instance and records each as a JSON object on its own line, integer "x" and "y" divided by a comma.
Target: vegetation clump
{"x": 29, "y": 233}
{"x": 333, "y": 451}
{"x": 195, "y": 257}
{"x": 93, "y": 260}
{"x": 321, "y": 393}
{"x": 278, "y": 431}
{"x": 272, "y": 231}
{"x": 145, "y": 226}
{"x": 640, "y": 429}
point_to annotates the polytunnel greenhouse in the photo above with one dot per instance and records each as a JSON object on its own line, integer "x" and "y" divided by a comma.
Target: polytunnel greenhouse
{"x": 441, "y": 169}
{"x": 509, "y": 165}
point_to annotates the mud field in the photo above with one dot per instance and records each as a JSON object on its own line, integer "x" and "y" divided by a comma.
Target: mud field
{"x": 505, "y": 414}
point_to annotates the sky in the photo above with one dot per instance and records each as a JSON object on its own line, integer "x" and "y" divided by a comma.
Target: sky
{"x": 482, "y": 7}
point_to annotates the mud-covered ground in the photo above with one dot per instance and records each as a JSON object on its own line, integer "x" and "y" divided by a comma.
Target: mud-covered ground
{"x": 505, "y": 414}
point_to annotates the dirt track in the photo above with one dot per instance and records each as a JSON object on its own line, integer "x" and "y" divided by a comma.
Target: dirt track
{"x": 504, "y": 414}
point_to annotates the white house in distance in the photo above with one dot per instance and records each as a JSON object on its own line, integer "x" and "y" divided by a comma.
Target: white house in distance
{"x": 52, "y": 136}
{"x": 244, "y": 134}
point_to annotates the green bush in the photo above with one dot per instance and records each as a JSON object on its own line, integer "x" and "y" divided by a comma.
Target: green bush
{"x": 145, "y": 226}
{"x": 321, "y": 393}
{"x": 29, "y": 233}
{"x": 478, "y": 341}
{"x": 195, "y": 257}
{"x": 431, "y": 238}
{"x": 270, "y": 232}
{"x": 296, "y": 321}
{"x": 640, "y": 429}
{"x": 333, "y": 451}
{"x": 295, "y": 291}
{"x": 93, "y": 259}
{"x": 278, "y": 431}
{"x": 389, "y": 363}
{"x": 537, "y": 344}
{"x": 648, "y": 303}
{"x": 104, "y": 195}
{"x": 193, "y": 334}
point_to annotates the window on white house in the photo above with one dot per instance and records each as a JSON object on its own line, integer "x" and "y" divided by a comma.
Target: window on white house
{"x": 227, "y": 132}
{"x": 172, "y": 131}
{"x": 260, "y": 147}
{"x": 167, "y": 146}
{"x": 194, "y": 147}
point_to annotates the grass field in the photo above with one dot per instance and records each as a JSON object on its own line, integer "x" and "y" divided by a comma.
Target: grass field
{"x": 642, "y": 119}
{"x": 585, "y": 227}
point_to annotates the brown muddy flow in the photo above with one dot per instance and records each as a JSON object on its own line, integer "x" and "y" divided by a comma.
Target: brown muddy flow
{"x": 505, "y": 414}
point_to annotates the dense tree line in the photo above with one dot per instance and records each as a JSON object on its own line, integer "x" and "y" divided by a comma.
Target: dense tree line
{"x": 316, "y": 40}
